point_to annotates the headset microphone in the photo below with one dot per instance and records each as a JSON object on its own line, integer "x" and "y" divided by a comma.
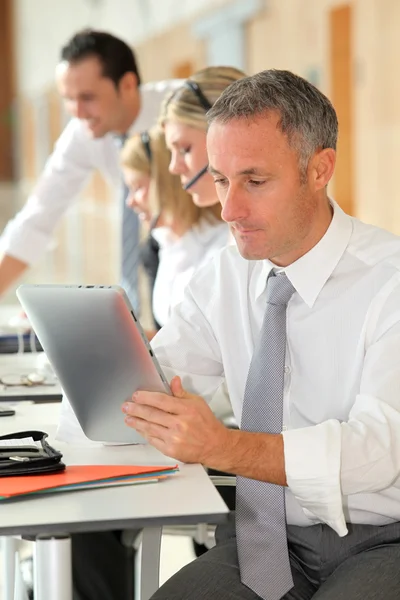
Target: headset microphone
{"x": 195, "y": 179}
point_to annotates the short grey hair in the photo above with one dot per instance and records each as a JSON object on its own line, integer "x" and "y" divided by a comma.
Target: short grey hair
{"x": 307, "y": 117}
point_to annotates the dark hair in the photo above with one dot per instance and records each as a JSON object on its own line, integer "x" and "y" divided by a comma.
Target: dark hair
{"x": 306, "y": 116}
{"x": 115, "y": 56}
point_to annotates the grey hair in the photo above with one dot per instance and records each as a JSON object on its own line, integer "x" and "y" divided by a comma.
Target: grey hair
{"x": 307, "y": 117}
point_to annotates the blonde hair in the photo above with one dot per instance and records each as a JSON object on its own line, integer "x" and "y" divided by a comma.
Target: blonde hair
{"x": 166, "y": 194}
{"x": 183, "y": 104}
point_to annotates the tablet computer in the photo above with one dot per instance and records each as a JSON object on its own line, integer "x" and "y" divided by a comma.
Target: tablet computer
{"x": 98, "y": 351}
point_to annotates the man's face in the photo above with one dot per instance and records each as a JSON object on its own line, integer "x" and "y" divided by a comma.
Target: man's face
{"x": 271, "y": 211}
{"x": 91, "y": 97}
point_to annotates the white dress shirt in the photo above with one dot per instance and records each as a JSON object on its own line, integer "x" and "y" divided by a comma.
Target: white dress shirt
{"x": 179, "y": 258}
{"x": 76, "y": 155}
{"x": 342, "y": 385}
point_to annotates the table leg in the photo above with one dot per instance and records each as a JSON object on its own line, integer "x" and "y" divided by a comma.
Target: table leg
{"x": 9, "y": 546}
{"x": 150, "y": 562}
{"x": 52, "y": 568}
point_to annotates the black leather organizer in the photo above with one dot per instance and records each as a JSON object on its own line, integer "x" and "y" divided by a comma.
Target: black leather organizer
{"x": 29, "y": 459}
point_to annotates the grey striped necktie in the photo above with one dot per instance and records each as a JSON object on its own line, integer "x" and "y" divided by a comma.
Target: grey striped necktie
{"x": 130, "y": 244}
{"x": 260, "y": 507}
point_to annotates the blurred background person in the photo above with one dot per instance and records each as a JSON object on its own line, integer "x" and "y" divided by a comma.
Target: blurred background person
{"x": 183, "y": 117}
{"x": 140, "y": 159}
{"x": 99, "y": 81}
{"x": 181, "y": 234}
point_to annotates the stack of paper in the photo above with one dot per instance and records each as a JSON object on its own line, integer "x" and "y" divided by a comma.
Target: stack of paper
{"x": 82, "y": 477}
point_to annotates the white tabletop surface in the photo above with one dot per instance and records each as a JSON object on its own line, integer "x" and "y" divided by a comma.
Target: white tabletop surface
{"x": 24, "y": 364}
{"x": 10, "y": 315}
{"x": 187, "y": 497}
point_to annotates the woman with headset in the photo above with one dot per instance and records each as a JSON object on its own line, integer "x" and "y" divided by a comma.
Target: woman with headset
{"x": 183, "y": 117}
{"x": 182, "y": 234}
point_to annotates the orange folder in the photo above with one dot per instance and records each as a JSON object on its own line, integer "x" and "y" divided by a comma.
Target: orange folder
{"x": 79, "y": 474}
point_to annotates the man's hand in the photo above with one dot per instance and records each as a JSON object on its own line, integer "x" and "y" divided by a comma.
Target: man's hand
{"x": 181, "y": 426}
{"x": 184, "y": 427}
{"x": 10, "y": 269}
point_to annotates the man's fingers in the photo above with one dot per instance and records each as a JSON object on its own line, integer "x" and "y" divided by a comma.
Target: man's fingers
{"x": 178, "y": 390}
{"x": 176, "y": 387}
{"x": 146, "y": 429}
{"x": 148, "y": 413}
{"x": 164, "y": 402}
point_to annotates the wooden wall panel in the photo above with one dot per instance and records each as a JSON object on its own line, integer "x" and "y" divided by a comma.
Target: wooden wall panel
{"x": 27, "y": 142}
{"x": 7, "y": 73}
{"x": 341, "y": 70}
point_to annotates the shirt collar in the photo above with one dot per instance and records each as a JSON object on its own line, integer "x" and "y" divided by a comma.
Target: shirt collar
{"x": 309, "y": 273}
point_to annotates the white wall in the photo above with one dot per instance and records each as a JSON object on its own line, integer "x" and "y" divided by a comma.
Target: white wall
{"x": 42, "y": 26}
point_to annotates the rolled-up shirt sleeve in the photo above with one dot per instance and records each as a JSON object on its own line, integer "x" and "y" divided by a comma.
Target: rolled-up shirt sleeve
{"x": 28, "y": 234}
{"x": 361, "y": 455}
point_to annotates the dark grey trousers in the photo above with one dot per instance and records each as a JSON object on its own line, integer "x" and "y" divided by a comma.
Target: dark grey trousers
{"x": 364, "y": 565}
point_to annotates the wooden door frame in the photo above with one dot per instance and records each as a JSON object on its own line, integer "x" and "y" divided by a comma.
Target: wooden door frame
{"x": 7, "y": 90}
{"x": 342, "y": 96}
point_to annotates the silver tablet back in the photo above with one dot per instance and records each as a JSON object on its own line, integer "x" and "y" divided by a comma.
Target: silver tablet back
{"x": 97, "y": 350}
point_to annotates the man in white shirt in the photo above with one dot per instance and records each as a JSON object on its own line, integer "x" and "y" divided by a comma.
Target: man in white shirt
{"x": 99, "y": 80}
{"x": 335, "y": 454}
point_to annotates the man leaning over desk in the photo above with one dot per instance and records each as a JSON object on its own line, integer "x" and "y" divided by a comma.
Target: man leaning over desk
{"x": 99, "y": 80}
{"x": 302, "y": 319}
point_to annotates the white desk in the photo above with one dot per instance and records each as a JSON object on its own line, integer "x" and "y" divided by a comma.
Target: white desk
{"x": 23, "y": 364}
{"x": 8, "y": 312}
{"x": 185, "y": 498}
{"x": 15, "y": 330}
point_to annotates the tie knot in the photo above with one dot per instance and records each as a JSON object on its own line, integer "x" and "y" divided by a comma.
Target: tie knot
{"x": 279, "y": 289}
